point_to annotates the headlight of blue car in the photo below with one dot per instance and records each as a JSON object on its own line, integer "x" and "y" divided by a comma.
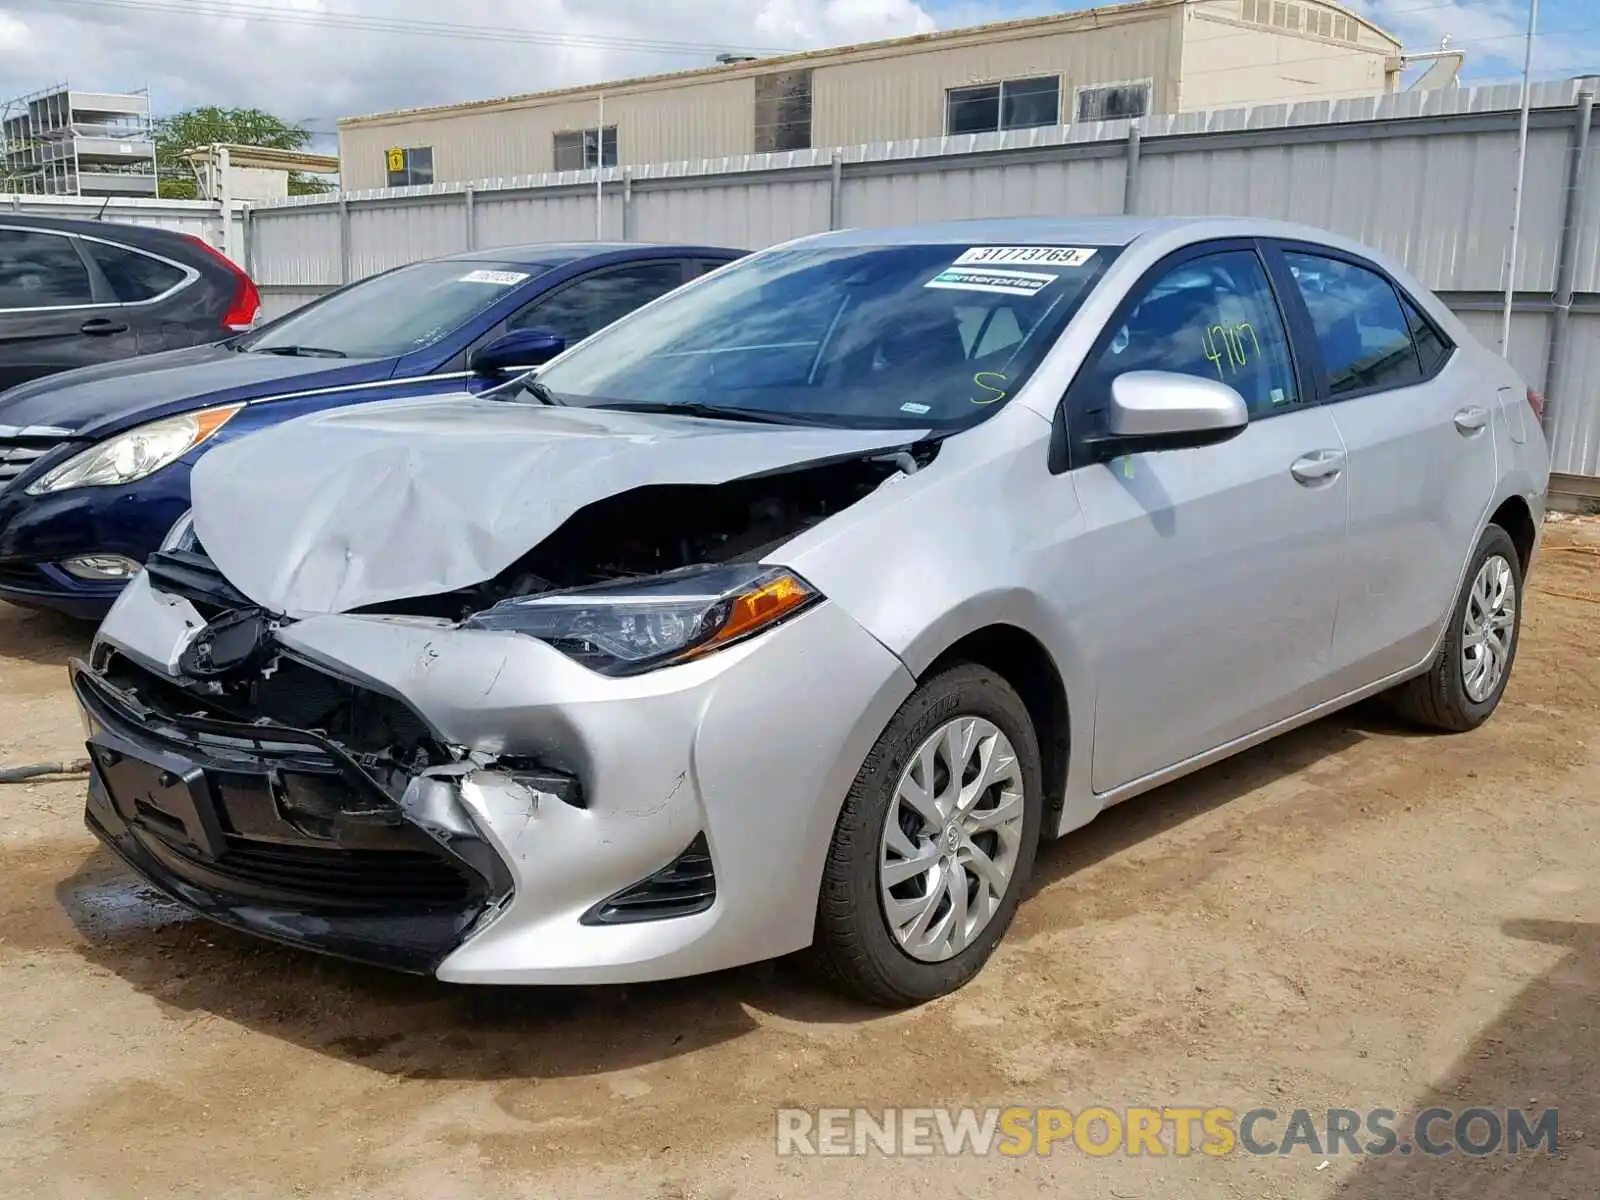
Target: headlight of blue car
{"x": 136, "y": 453}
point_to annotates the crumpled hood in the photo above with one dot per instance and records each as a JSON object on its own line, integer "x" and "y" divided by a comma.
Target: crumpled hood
{"x": 357, "y": 506}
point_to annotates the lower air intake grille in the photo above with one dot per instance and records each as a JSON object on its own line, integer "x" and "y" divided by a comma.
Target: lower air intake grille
{"x": 681, "y": 888}
{"x": 386, "y": 880}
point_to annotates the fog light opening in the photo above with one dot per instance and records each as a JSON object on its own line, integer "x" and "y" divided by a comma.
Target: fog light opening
{"x": 101, "y": 568}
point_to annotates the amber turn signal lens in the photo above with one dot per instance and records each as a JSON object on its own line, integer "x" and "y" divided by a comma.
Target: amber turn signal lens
{"x": 752, "y": 611}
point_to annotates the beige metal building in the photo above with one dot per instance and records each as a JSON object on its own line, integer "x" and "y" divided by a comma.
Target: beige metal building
{"x": 1122, "y": 60}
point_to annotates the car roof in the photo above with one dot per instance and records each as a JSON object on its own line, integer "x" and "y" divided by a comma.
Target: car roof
{"x": 113, "y": 229}
{"x": 553, "y": 253}
{"x": 1066, "y": 231}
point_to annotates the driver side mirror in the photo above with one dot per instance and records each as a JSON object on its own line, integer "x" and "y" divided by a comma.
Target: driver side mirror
{"x": 1164, "y": 410}
{"x": 516, "y": 351}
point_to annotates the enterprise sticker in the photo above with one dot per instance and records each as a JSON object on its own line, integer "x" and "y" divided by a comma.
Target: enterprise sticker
{"x": 978, "y": 279}
{"x": 1040, "y": 256}
{"x": 503, "y": 278}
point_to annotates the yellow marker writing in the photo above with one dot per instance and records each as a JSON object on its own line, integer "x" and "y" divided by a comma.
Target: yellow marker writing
{"x": 999, "y": 392}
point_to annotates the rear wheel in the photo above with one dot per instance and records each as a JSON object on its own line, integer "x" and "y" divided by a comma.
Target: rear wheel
{"x": 935, "y": 843}
{"x": 1469, "y": 676}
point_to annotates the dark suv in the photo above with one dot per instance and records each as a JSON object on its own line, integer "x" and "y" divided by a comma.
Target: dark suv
{"x": 74, "y": 293}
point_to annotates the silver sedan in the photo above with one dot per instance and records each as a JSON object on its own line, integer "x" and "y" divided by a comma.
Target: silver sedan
{"x": 793, "y": 611}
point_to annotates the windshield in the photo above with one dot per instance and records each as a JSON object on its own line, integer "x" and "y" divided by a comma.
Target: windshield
{"x": 394, "y": 313}
{"x": 871, "y": 336}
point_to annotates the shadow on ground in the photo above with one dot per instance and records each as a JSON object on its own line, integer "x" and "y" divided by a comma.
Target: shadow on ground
{"x": 419, "y": 1028}
{"x": 37, "y": 636}
{"x": 1542, "y": 1052}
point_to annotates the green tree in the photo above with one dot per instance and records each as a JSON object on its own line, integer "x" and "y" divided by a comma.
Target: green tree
{"x": 235, "y": 126}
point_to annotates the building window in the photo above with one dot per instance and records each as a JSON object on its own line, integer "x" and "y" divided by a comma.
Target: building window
{"x": 580, "y": 150}
{"x": 783, "y": 111}
{"x": 1113, "y": 102}
{"x": 1010, "y": 104}
{"x": 410, "y": 166}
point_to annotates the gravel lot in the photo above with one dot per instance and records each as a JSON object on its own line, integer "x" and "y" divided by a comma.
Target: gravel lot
{"x": 1353, "y": 916}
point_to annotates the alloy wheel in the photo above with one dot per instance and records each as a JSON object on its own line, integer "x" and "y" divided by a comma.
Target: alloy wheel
{"x": 951, "y": 838}
{"x": 1488, "y": 628}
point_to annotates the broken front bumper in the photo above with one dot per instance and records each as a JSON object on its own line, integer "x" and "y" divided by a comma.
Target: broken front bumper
{"x": 277, "y": 832}
{"x": 718, "y": 780}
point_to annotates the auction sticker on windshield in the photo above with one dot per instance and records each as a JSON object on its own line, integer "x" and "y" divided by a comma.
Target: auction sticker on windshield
{"x": 503, "y": 278}
{"x": 1008, "y": 283}
{"x": 1051, "y": 256}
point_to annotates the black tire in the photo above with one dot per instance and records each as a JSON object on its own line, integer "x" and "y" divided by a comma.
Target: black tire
{"x": 1438, "y": 698}
{"x": 853, "y": 947}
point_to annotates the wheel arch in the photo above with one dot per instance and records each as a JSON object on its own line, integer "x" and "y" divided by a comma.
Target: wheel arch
{"x": 1023, "y": 661}
{"x": 1516, "y": 519}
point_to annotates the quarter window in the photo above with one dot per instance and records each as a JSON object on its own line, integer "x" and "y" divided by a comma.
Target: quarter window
{"x": 1364, "y": 334}
{"x": 1432, "y": 349}
{"x": 41, "y": 270}
{"x": 595, "y": 301}
{"x": 1213, "y": 317}
{"x": 133, "y": 276}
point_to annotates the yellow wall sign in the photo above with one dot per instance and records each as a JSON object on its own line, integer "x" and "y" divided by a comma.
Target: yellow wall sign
{"x": 397, "y": 159}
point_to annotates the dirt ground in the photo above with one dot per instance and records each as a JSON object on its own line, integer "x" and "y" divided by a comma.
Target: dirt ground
{"x": 1354, "y": 916}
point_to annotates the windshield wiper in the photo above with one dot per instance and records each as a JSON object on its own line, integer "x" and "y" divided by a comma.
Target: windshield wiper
{"x": 301, "y": 351}
{"x": 526, "y": 382}
{"x": 694, "y": 408}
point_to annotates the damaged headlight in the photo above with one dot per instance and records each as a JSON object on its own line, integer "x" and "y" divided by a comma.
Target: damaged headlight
{"x": 181, "y": 535}
{"x": 138, "y": 453}
{"x": 623, "y": 628}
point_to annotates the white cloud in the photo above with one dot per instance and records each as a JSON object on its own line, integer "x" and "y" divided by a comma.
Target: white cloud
{"x": 275, "y": 54}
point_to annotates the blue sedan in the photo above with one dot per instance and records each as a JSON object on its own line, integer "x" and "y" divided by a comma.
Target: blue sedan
{"x": 94, "y": 463}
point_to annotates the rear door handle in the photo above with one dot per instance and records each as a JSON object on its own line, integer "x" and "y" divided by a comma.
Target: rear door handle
{"x": 1471, "y": 419}
{"x": 102, "y": 327}
{"x": 1320, "y": 466}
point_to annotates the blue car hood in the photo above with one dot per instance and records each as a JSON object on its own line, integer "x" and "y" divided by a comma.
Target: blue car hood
{"x": 358, "y": 506}
{"x": 93, "y": 401}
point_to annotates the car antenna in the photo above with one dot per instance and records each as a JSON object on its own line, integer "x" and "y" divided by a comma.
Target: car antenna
{"x": 101, "y": 215}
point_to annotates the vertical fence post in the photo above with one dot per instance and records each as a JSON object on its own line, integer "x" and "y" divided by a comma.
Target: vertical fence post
{"x": 1130, "y": 179}
{"x": 248, "y": 218}
{"x": 627, "y": 204}
{"x": 1567, "y": 253}
{"x": 469, "y": 197}
{"x": 222, "y": 173}
{"x": 836, "y": 192}
{"x": 344, "y": 240}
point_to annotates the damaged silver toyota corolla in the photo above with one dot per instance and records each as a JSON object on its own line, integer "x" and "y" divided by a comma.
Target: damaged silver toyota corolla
{"x": 795, "y": 608}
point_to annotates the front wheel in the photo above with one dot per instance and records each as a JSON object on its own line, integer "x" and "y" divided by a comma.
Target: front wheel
{"x": 1469, "y": 676}
{"x": 935, "y": 843}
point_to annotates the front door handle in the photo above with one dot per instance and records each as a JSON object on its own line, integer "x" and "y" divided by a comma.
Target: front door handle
{"x": 1471, "y": 419}
{"x": 1320, "y": 466}
{"x": 102, "y": 327}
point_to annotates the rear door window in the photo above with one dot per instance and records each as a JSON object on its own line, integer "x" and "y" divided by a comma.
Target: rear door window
{"x": 1362, "y": 330}
{"x": 134, "y": 277}
{"x": 41, "y": 270}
